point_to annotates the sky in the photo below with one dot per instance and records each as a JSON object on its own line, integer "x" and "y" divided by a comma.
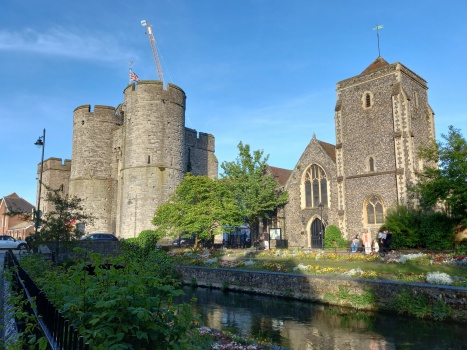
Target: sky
{"x": 263, "y": 72}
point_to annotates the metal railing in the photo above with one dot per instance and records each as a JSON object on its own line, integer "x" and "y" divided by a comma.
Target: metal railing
{"x": 60, "y": 334}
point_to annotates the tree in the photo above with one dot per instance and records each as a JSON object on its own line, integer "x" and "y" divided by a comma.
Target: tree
{"x": 446, "y": 182}
{"x": 62, "y": 222}
{"x": 256, "y": 192}
{"x": 200, "y": 206}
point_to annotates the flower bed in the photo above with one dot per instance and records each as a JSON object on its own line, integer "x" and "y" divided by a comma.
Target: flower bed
{"x": 309, "y": 262}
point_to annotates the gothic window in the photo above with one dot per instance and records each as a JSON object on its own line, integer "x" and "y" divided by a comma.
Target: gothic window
{"x": 316, "y": 187}
{"x": 367, "y": 100}
{"x": 374, "y": 211}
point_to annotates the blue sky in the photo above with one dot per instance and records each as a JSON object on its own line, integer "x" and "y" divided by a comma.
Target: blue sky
{"x": 262, "y": 72}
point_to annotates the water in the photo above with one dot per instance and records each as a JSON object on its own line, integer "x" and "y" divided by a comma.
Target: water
{"x": 301, "y": 326}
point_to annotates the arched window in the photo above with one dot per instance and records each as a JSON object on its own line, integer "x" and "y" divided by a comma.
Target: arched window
{"x": 316, "y": 187}
{"x": 374, "y": 211}
{"x": 367, "y": 100}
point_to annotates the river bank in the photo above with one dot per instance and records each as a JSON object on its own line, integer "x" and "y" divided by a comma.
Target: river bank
{"x": 433, "y": 301}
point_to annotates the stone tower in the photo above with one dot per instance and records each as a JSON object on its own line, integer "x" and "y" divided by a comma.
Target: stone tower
{"x": 127, "y": 160}
{"x": 152, "y": 161}
{"x": 55, "y": 175}
{"x": 382, "y": 116}
{"x": 93, "y": 178}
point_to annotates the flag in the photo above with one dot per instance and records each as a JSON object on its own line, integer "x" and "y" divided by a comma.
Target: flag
{"x": 378, "y": 27}
{"x": 133, "y": 76}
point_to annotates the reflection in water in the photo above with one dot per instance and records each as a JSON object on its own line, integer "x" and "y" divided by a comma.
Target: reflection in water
{"x": 301, "y": 326}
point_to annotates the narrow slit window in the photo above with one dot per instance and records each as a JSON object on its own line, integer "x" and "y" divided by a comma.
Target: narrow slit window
{"x": 367, "y": 100}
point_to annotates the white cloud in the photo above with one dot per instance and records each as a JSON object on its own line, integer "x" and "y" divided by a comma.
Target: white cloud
{"x": 60, "y": 42}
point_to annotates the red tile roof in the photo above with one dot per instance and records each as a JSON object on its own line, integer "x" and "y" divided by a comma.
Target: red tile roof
{"x": 282, "y": 175}
{"x": 377, "y": 64}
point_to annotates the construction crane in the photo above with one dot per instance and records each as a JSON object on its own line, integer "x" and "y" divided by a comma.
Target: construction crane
{"x": 152, "y": 41}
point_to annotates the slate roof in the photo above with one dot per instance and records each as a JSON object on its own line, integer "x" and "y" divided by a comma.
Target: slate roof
{"x": 15, "y": 203}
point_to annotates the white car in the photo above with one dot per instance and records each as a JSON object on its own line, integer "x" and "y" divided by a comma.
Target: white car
{"x": 8, "y": 242}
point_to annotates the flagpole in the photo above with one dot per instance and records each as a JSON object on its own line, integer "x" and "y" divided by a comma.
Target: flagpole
{"x": 377, "y": 28}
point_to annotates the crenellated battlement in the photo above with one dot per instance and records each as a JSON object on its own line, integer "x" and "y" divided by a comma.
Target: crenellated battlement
{"x": 57, "y": 164}
{"x": 129, "y": 159}
{"x": 152, "y": 90}
{"x": 206, "y": 141}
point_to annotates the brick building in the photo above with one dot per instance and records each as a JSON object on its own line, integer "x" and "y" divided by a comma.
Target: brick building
{"x": 16, "y": 217}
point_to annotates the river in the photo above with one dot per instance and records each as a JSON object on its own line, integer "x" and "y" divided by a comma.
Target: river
{"x": 299, "y": 325}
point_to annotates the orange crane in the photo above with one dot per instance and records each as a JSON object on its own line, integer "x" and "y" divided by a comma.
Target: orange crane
{"x": 152, "y": 41}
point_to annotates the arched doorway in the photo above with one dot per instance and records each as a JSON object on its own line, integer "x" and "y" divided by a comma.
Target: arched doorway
{"x": 316, "y": 234}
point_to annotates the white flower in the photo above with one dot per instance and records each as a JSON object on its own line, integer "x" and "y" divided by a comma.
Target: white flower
{"x": 438, "y": 278}
{"x": 210, "y": 261}
{"x": 301, "y": 267}
{"x": 404, "y": 258}
{"x": 357, "y": 271}
{"x": 249, "y": 262}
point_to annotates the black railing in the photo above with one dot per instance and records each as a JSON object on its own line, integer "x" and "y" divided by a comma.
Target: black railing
{"x": 61, "y": 335}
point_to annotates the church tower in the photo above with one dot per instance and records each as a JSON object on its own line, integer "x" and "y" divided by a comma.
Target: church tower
{"x": 382, "y": 117}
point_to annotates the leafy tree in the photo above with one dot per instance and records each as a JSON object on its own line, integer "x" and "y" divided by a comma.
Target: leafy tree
{"x": 256, "y": 192}
{"x": 446, "y": 183}
{"x": 61, "y": 223}
{"x": 200, "y": 206}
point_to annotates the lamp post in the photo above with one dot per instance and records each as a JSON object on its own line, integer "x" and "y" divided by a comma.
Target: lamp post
{"x": 40, "y": 143}
{"x": 321, "y": 205}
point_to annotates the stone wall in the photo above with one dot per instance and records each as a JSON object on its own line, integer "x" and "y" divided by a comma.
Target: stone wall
{"x": 318, "y": 288}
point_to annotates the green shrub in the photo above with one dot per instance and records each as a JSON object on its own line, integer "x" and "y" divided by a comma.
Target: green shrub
{"x": 148, "y": 240}
{"x": 333, "y": 238}
{"x": 404, "y": 223}
{"x": 437, "y": 231}
{"x": 118, "y": 308}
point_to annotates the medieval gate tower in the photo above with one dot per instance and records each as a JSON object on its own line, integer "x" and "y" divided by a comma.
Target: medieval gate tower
{"x": 128, "y": 160}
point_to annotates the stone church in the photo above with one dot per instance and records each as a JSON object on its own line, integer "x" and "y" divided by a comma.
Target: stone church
{"x": 382, "y": 117}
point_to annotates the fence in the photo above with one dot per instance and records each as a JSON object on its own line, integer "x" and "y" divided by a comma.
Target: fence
{"x": 60, "y": 334}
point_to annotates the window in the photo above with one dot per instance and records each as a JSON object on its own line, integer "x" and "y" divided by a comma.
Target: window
{"x": 374, "y": 211}
{"x": 316, "y": 187}
{"x": 367, "y": 100}
{"x": 371, "y": 164}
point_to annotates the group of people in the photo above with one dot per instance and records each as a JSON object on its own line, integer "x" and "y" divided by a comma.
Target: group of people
{"x": 370, "y": 246}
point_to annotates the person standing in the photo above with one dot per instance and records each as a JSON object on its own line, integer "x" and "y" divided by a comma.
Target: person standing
{"x": 266, "y": 240}
{"x": 366, "y": 238}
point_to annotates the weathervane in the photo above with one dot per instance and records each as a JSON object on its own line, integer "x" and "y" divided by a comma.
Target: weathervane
{"x": 377, "y": 28}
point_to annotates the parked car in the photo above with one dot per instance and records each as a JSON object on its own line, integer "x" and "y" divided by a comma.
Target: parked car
{"x": 98, "y": 236}
{"x": 8, "y": 242}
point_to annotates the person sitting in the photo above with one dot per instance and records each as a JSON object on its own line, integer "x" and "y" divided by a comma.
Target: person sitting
{"x": 375, "y": 246}
{"x": 354, "y": 245}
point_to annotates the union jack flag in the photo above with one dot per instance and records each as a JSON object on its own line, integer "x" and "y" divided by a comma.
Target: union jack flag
{"x": 133, "y": 76}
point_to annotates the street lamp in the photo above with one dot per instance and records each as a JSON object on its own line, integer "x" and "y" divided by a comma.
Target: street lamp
{"x": 40, "y": 143}
{"x": 321, "y": 205}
